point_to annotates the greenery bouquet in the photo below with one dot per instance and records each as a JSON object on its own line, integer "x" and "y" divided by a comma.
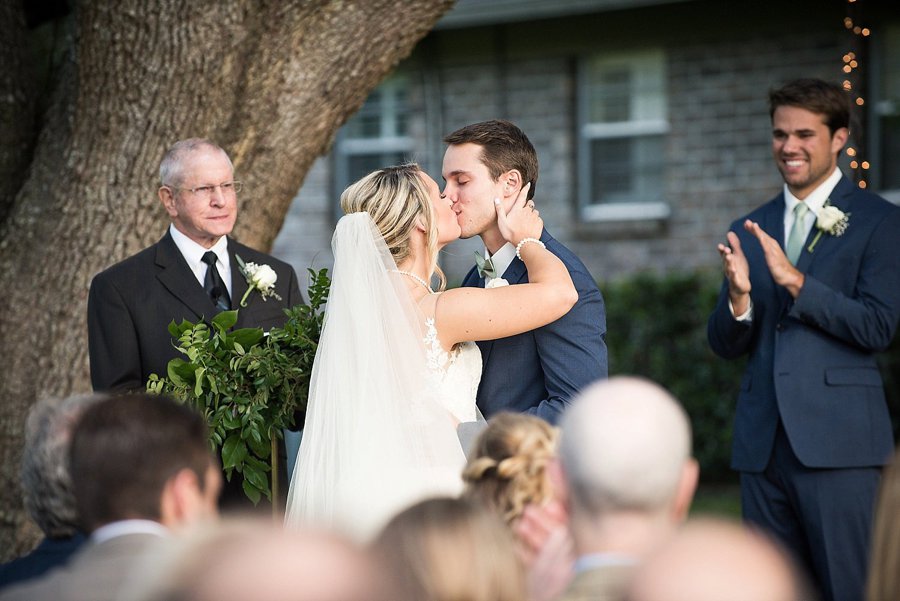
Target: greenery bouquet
{"x": 248, "y": 383}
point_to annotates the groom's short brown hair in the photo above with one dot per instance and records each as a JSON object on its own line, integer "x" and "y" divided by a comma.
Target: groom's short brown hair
{"x": 503, "y": 147}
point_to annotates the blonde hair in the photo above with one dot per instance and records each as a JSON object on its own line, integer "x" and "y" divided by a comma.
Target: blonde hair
{"x": 448, "y": 549}
{"x": 508, "y": 467}
{"x": 884, "y": 580}
{"x": 397, "y": 200}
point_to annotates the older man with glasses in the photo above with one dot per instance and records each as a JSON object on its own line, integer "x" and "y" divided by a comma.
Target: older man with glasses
{"x": 192, "y": 273}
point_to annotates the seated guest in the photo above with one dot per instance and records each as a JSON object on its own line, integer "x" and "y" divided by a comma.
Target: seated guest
{"x": 628, "y": 475}
{"x": 446, "y": 549}
{"x": 712, "y": 560}
{"x": 884, "y": 564}
{"x": 140, "y": 467}
{"x": 47, "y": 486}
{"x": 242, "y": 560}
{"x": 507, "y": 468}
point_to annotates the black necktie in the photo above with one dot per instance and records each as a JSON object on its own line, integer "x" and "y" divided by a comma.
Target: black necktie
{"x": 213, "y": 283}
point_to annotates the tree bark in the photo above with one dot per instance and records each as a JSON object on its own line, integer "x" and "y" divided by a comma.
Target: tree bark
{"x": 270, "y": 81}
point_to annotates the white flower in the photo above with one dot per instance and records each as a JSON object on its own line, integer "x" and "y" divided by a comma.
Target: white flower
{"x": 496, "y": 283}
{"x": 262, "y": 277}
{"x": 828, "y": 218}
{"x": 259, "y": 277}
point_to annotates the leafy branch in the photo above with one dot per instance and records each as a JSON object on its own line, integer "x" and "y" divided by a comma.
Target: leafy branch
{"x": 249, "y": 384}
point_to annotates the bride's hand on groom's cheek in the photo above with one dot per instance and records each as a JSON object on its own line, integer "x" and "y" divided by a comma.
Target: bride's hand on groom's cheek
{"x": 523, "y": 219}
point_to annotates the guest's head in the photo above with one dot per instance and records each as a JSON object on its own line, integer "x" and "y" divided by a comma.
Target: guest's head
{"x": 408, "y": 209}
{"x": 625, "y": 453}
{"x": 810, "y": 126}
{"x": 46, "y": 481}
{"x": 448, "y": 549}
{"x": 141, "y": 456}
{"x": 884, "y": 577}
{"x": 198, "y": 190}
{"x": 508, "y": 467}
{"x": 240, "y": 560}
{"x": 484, "y": 161}
{"x": 710, "y": 560}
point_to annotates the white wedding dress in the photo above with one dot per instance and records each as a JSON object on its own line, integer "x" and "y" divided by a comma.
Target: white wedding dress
{"x": 384, "y": 399}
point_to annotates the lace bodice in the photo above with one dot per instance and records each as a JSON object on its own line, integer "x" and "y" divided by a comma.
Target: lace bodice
{"x": 453, "y": 376}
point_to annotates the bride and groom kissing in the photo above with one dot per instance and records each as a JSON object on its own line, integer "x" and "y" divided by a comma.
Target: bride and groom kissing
{"x": 400, "y": 366}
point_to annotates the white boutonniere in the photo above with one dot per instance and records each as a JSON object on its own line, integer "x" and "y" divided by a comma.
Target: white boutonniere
{"x": 259, "y": 277}
{"x": 832, "y": 221}
{"x": 496, "y": 283}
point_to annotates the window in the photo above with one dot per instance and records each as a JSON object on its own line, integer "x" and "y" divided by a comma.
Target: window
{"x": 376, "y": 136}
{"x": 886, "y": 115}
{"x": 622, "y": 117}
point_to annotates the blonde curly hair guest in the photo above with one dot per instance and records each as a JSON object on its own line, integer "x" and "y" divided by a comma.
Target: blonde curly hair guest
{"x": 508, "y": 467}
{"x": 398, "y": 201}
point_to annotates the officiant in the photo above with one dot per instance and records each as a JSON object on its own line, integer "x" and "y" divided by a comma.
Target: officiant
{"x": 192, "y": 273}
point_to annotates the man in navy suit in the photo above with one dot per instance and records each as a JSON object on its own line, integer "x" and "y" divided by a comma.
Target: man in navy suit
{"x": 811, "y": 293}
{"x": 539, "y": 371}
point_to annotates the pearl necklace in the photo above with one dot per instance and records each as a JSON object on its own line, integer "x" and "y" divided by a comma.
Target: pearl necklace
{"x": 413, "y": 276}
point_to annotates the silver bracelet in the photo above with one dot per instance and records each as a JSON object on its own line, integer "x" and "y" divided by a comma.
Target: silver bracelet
{"x": 524, "y": 241}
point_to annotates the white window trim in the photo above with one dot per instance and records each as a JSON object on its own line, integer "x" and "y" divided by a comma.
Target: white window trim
{"x": 589, "y": 131}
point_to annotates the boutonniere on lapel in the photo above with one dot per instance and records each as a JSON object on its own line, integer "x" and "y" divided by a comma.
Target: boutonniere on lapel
{"x": 259, "y": 277}
{"x": 832, "y": 221}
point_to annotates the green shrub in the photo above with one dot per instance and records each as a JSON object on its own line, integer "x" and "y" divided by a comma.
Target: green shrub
{"x": 657, "y": 328}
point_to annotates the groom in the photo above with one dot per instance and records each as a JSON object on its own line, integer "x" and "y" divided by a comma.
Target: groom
{"x": 537, "y": 372}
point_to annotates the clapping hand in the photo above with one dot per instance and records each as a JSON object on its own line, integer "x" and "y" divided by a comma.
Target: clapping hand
{"x": 737, "y": 272}
{"x": 522, "y": 220}
{"x": 783, "y": 272}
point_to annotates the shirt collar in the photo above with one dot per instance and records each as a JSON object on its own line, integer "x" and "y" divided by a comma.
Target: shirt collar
{"x": 816, "y": 199}
{"x": 502, "y": 258}
{"x": 193, "y": 252}
{"x": 123, "y": 527}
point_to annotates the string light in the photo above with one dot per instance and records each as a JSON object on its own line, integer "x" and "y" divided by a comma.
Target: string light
{"x": 851, "y": 64}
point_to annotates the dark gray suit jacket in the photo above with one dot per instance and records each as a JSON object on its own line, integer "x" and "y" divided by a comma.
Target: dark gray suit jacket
{"x": 131, "y": 304}
{"x": 812, "y": 359}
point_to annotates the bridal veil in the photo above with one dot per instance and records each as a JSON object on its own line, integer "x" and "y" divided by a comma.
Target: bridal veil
{"x": 374, "y": 440}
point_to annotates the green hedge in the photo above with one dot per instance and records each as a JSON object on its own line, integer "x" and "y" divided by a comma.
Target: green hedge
{"x": 657, "y": 328}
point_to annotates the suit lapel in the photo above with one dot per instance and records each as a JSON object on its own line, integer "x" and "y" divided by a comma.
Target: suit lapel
{"x": 175, "y": 275}
{"x": 773, "y": 224}
{"x": 239, "y": 285}
{"x": 841, "y": 198}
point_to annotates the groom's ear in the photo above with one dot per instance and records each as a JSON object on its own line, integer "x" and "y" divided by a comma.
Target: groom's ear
{"x": 512, "y": 182}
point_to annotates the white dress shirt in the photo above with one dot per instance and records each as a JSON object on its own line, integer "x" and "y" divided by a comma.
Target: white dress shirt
{"x": 193, "y": 254}
{"x": 123, "y": 527}
{"x": 501, "y": 259}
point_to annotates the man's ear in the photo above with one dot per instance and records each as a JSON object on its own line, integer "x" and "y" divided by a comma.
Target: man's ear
{"x": 839, "y": 139}
{"x": 167, "y": 198}
{"x": 180, "y": 498}
{"x": 512, "y": 182}
{"x": 687, "y": 486}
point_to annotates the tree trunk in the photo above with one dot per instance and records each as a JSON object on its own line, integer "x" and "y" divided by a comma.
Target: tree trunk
{"x": 270, "y": 81}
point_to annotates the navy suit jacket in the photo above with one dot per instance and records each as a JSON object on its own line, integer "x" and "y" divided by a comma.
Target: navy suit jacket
{"x": 539, "y": 372}
{"x": 131, "y": 304}
{"x": 812, "y": 359}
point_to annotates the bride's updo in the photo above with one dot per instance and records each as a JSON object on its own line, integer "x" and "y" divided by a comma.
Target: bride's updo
{"x": 397, "y": 200}
{"x": 508, "y": 466}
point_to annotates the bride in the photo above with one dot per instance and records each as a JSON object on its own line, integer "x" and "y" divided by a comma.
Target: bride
{"x": 396, "y": 370}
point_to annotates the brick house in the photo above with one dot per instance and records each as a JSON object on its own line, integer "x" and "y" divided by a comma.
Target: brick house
{"x": 649, "y": 117}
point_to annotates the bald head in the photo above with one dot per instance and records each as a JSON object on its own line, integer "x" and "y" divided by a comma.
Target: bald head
{"x": 710, "y": 560}
{"x": 624, "y": 446}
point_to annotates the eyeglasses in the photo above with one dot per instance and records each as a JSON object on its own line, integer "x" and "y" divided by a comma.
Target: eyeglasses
{"x": 207, "y": 190}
